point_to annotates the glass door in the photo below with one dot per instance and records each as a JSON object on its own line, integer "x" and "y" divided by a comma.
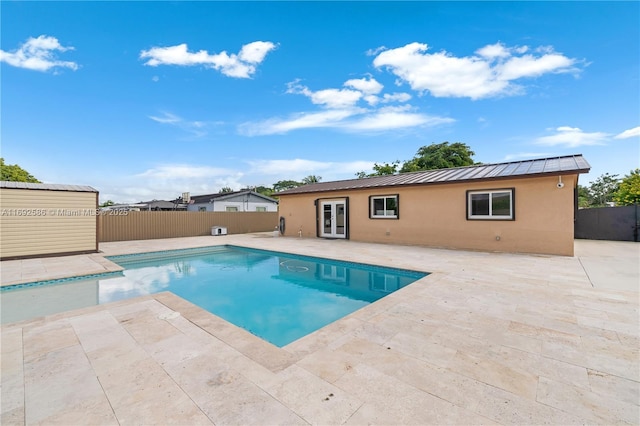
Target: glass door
{"x": 334, "y": 220}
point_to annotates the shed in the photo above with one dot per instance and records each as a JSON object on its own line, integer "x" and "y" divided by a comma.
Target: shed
{"x": 521, "y": 206}
{"x": 46, "y": 220}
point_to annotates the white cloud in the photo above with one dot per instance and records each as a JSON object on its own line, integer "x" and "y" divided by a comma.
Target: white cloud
{"x": 396, "y": 97}
{"x": 630, "y": 133}
{"x": 390, "y": 118}
{"x": 526, "y": 155}
{"x": 492, "y": 51}
{"x": 168, "y": 181}
{"x": 572, "y": 137}
{"x": 330, "y": 98}
{"x": 311, "y": 120}
{"x": 374, "y": 52}
{"x": 254, "y": 53}
{"x": 38, "y": 54}
{"x": 196, "y": 128}
{"x": 346, "y": 120}
{"x": 166, "y": 119}
{"x": 530, "y": 66}
{"x": 183, "y": 171}
{"x": 490, "y": 72}
{"x": 242, "y": 65}
{"x": 367, "y": 86}
{"x": 299, "y": 168}
{"x": 341, "y": 111}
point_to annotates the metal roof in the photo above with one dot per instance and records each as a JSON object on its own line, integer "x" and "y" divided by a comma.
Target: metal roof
{"x": 46, "y": 186}
{"x": 568, "y": 164}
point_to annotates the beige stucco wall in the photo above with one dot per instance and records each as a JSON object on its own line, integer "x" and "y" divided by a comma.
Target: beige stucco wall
{"x": 45, "y": 222}
{"x": 435, "y": 215}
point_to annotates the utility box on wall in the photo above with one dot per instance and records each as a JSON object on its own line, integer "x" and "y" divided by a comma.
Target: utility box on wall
{"x": 47, "y": 220}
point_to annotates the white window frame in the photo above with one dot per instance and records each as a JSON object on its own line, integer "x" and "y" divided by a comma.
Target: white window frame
{"x": 261, "y": 209}
{"x": 231, "y": 209}
{"x": 491, "y": 216}
{"x": 373, "y": 214}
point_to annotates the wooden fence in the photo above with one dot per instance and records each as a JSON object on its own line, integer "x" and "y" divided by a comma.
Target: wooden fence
{"x": 147, "y": 225}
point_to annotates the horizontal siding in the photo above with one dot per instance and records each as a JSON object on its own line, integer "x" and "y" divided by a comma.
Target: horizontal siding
{"x": 145, "y": 225}
{"x": 39, "y": 222}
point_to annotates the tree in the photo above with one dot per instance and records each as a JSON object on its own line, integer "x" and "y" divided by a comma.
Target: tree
{"x": 628, "y": 192}
{"x": 602, "y": 189}
{"x": 15, "y": 173}
{"x": 380, "y": 170}
{"x": 440, "y": 156}
{"x": 584, "y": 197}
{"x": 107, "y": 203}
{"x": 225, "y": 189}
{"x": 263, "y": 190}
{"x": 311, "y": 179}
{"x": 385, "y": 169}
{"x": 285, "y": 184}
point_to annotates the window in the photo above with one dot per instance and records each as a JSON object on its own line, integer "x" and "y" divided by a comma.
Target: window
{"x": 383, "y": 207}
{"x": 231, "y": 209}
{"x": 495, "y": 204}
{"x": 202, "y": 209}
{"x": 261, "y": 209}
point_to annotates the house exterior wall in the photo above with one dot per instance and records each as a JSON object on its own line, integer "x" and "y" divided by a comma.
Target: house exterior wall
{"x": 436, "y": 215}
{"x": 240, "y": 202}
{"x": 45, "y": 222}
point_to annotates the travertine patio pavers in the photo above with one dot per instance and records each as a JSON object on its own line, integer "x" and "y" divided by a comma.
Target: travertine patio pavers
{"x": 487, "y": 338}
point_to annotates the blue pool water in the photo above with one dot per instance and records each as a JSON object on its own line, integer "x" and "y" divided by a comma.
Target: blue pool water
{"x": 276, "y": 296}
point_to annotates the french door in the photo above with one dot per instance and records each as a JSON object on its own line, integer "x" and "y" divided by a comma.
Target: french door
{"x": 333, "y": 218}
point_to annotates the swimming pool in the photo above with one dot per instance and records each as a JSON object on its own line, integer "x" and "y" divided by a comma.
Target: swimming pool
{"x": 276, "y": 296}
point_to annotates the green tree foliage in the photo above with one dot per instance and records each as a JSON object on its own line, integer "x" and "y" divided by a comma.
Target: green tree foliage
{"x": 628, "y": 192}
{"x": 584, "y": 197}
{"x": 440, "y": 156}
{"x": 285, "y": 184}
{"x": 429, "y": 157}
{"x": 225, "y": 189}
{"x": 107, "y": 203}
{"x": 381, "y": 170}
{"x": 15, "y": 173}
{"x": 263, "y": 190}
{"x": 311, "y": 179}
{"x": 602, "y": 190}
{"x": 385, "y": 169}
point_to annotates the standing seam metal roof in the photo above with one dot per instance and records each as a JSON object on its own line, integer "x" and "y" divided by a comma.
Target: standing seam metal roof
{"x": 542, "y": 166}
{"x": 46, "y": 186}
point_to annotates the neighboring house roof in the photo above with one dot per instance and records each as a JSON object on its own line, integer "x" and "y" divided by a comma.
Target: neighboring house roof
{"x": 199, "y": 199}
{"x": 569, "y": 164}
{"x": 45, "y": 186}
{"x": 161, "y": 204}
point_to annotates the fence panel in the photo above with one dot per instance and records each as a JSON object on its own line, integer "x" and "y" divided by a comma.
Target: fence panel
{"x": 608, "y": 223}
{"x": 147, "y": 225}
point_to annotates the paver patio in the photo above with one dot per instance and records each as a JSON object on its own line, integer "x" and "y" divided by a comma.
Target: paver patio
{"x": 487, "y": 338}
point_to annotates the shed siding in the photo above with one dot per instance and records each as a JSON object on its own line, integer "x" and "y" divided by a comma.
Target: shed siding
{"x": 435, "y": 215}
{"x": 43, "y": 222}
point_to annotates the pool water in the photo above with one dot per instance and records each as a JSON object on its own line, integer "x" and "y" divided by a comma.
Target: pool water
{"x": 276, "y": 296}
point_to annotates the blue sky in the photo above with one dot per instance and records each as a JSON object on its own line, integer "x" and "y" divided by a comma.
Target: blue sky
{"x": 146, "y": 100}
